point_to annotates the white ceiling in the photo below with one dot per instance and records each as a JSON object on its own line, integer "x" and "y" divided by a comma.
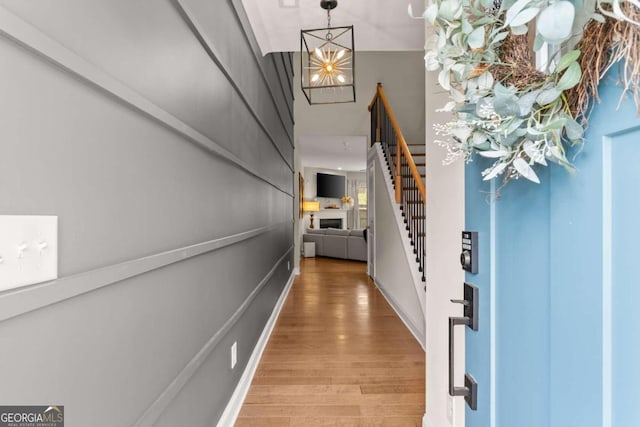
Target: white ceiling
{"x": 378, "y": 24}
{"x": 347, "y": 153}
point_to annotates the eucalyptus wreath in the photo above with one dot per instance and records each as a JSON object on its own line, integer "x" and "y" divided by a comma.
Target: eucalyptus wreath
{"x": 504, "y": 108}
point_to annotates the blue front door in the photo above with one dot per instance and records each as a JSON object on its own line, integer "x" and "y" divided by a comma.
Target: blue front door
{"x": 558, "y": 342}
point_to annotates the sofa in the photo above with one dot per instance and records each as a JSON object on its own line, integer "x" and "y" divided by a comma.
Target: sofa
{"x": 335, "y": 243}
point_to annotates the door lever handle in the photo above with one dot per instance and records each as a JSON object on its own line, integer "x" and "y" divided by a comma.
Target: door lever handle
{"x": 470, "y": 304}
{"x": 470, "y": 319}
{"x": 470, "y": 389}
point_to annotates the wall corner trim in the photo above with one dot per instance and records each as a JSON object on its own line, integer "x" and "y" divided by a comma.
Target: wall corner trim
{"x": 231, "y": 412}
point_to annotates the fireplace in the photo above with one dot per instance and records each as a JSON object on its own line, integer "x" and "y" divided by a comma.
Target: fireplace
{"x": 330, "y": 222}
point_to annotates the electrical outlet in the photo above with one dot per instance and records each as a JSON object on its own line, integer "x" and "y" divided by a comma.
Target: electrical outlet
{"x": 288, "y": 265}
{"x": 450, "y": 409}
{"x": 234, "y": 354}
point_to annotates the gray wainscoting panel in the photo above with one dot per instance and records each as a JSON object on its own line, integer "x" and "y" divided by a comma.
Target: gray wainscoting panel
{"x": 171, "y": 172}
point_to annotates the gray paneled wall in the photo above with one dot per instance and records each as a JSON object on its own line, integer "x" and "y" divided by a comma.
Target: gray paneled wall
{"x": 162, "y": 139}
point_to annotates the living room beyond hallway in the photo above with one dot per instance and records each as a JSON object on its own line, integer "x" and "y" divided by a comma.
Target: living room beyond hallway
{"x": 338, "y": 355}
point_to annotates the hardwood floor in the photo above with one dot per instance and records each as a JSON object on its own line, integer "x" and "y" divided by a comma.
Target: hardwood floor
{"x": 338, "y": 356}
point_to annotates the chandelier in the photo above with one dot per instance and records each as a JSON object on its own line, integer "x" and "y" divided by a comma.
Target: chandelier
{"x": 327, "y": 62}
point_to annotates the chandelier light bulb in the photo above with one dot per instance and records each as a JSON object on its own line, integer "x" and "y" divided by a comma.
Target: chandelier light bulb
{"x": 328, "y": 66}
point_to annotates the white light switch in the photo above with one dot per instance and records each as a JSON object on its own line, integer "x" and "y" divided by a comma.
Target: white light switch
{"x": 28, "y": 250}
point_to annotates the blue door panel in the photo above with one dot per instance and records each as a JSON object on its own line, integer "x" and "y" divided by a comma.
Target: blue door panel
{"x": 564, "y": 346}
{"x": 624, "y": 282}
{"x": 522, "y": 304}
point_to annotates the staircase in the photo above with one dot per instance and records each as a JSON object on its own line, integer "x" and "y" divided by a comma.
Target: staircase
{"x": 406, "y": 166}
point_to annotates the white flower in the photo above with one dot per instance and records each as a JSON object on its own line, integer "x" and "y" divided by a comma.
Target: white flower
{"x": 431, "y": 62}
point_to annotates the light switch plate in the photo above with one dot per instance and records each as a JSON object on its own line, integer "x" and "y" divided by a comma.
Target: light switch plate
{"x": 28, "y": 250}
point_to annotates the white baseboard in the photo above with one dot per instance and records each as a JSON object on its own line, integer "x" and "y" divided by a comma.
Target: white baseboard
{"x": 405, "y": 319}
{"x": 232, "y": 410}
{"x": 424, "y": 421}
{"x": 296, "y": 271}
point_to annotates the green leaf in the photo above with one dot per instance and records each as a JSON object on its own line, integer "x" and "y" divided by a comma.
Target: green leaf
{"x": 458, "y": 71}
{"x": 450, "y": 10}
{"x": 570, "y": 78}
{"x": 476, "y": 38}
{"x": 495, "y": 171}
{"x": 467, "y": 28}
{"x": 502, "y": 91}
{"x": 506, "y": 107}
{"x": 456, "y": 95}
{"x": 524, "y": 17}
{"x": 547, "y": 96}
{"x": 479, "y": 139}
{"x": 520, "y": 30}
{"x": 515, "y": 129}
{"x": 485, "y": 81}
{"x": 509, "y": 139}
{"x": 444, "y": 78}
{"x": 574, "y": 130}
{"x": 431, "y": 13}
{"x": 514, "y": 10}
{"x": 538, "y": 42}
{"x": 534, "y": 152}
{"x": 555, "y": 22}
{"x": 484, "y": 21}
{"x": 526, "y": 102}
{"x": 494, "y": 154}
{"x": 499, "y": 37}
{"x": 567, "y": 59}
{"x": 506, "y": 4}
{"x": 525, "y": 170}
{"x": 554, "y": 125}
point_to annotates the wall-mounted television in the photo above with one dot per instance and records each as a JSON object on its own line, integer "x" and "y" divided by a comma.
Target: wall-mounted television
{"x": 330, "y": 185}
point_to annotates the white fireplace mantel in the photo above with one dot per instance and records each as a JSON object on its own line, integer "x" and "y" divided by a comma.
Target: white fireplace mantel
{"x": 329, "y": 214}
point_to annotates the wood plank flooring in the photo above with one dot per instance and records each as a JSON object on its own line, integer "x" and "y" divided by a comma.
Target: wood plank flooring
{"x": 338, "y": 356}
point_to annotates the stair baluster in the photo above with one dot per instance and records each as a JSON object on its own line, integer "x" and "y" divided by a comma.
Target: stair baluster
{"x": 408, "y": 183}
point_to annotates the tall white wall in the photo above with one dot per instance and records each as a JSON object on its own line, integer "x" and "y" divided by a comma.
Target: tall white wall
{"x": 445, "y": 221}
{"x": 396, "y": 272}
